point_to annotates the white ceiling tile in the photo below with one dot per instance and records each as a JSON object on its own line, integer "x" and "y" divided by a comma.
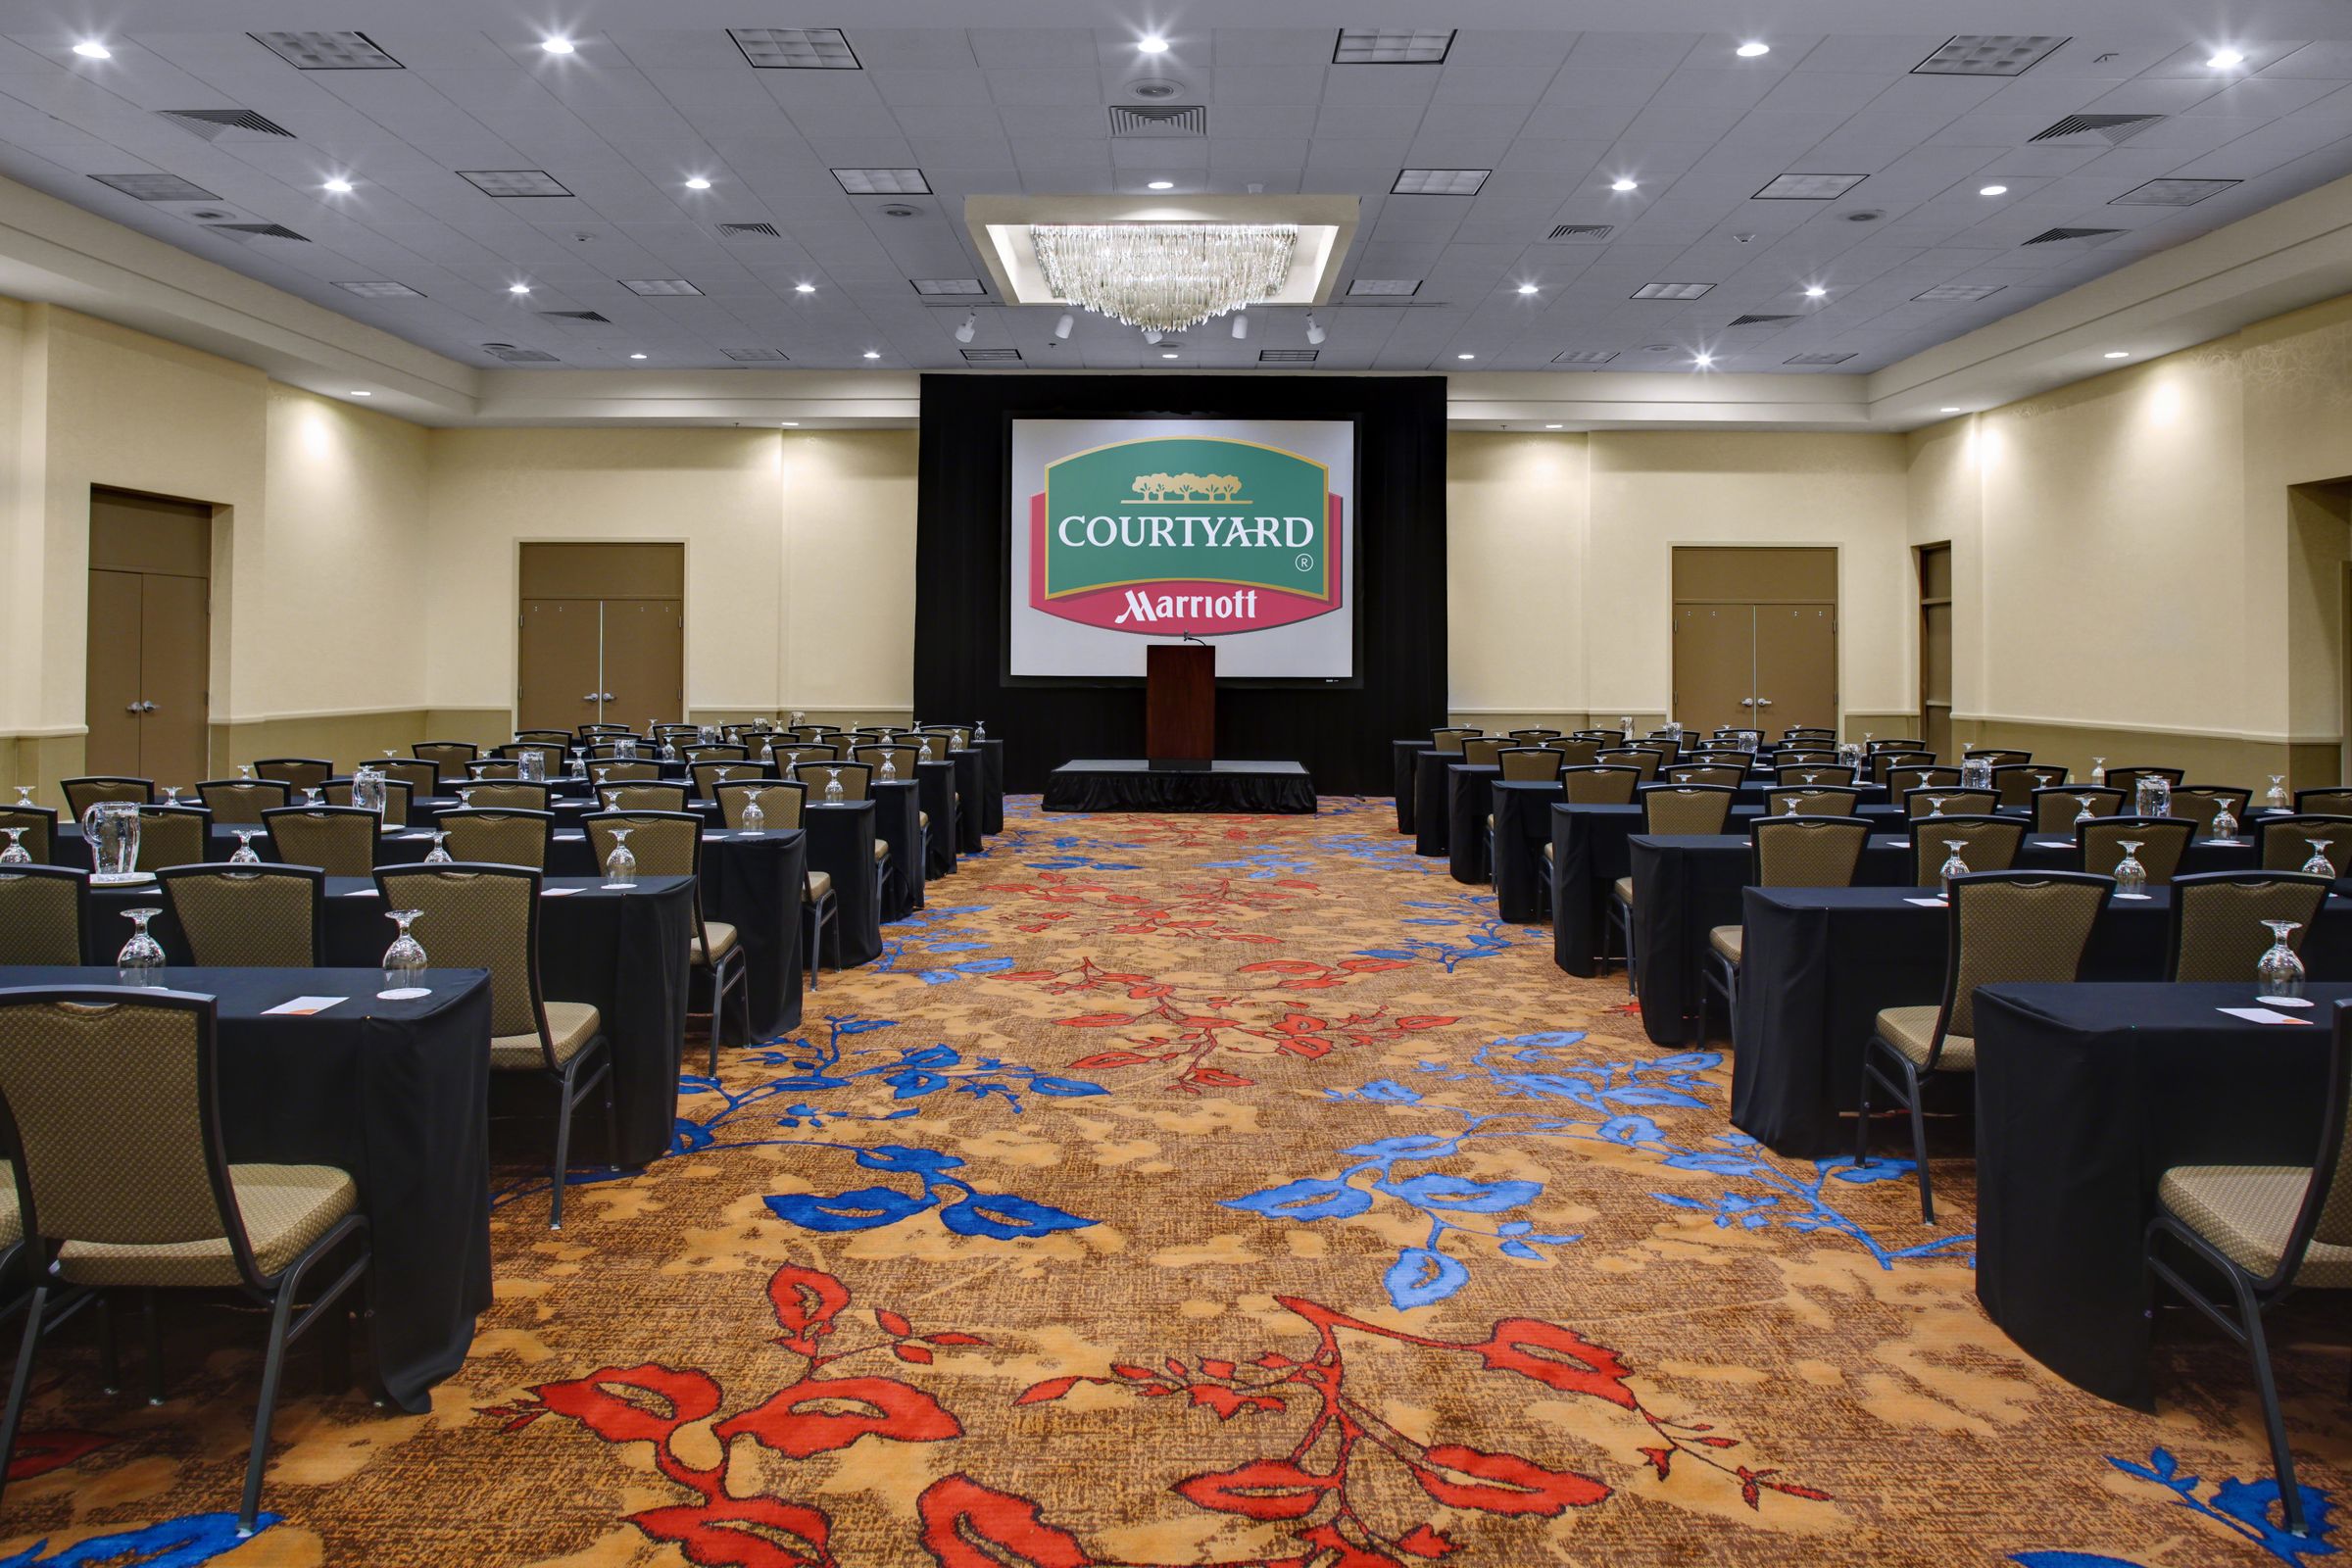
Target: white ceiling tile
{"x": 1039, "y": 85}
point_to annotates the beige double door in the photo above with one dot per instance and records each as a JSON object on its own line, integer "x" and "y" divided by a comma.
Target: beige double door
{"x": 1755, "y": 638}
{"x": 147, "y": 668}
{"x": 603, "y": 637}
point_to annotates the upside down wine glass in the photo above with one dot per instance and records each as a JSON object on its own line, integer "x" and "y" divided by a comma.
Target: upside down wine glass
{"x": 2085, "y": 814}
{"x": 2278, "y": 973}
{"x": 142, "y": 954}
{"x": 1952, "y": 865}
{"x": 753, "y": 819}
{"x": 620, "y": 867}
{"x": 24, "y": 795}
{"x": 15, "y": 852}
{"x": 890, "y": 769}
{"x": 2319, "y": 865}
{"x": 2131, "y": 877}
{"x": 833, "y": 793}
{"x": 439, "y": 854}
{"x": 2225, "y": 824}
{"x": 404, "y": 959}
{"x": 243, "y": 853}
{"x": 2099, "y": 770}
{"x": 2275, "y": 795}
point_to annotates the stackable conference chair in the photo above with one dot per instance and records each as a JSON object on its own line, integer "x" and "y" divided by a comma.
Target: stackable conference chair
{"x": 487, "y": 917}
{"x": 670, "y": 844}
{"x": 1480, "y": 751}
{"x": 421, "y": 778}
{"x": 624, "y": 770}
{"x": 1665, "y": 809}
{"x": 958, "y": 735}
{"x": 1601, "y": 784}
{"x": 2217, "y": 929}
{"x": 2055, "y": 809}
{"x": 2266, "y": 1230}
{"x": 815, "y": 775}
{"x": 787, "y": 755}
{"x": 122, "y": 1181}
{"x": 396, "y": 800}
{"x": 1813, "y": 800}
{"x": 1707, "y": 773}
{"x": 559, "y": 737}
{"x": 1450, "y": 740}
{"x": 1883, "y": 764}
{"x": 2007, "y": 928}
{"x": 2287, "y": 843}
{"x": 2016, "y": 782}
{"x": 44, "y": 913}
{"x": 1897, "y": 743}
{"x": 449, "y": 758}
{"x": 302, "y": 772}
{"x": 901, "y": 756}
{"x": 83, "y": 793}
{"x": 812, "y": 732}
{"x": 1904, "y": 777}
{"x": 1787, "y": 757}
{"x": 1791, "y": 851}
{"x": 1987, "y": 844}
{"x": 1598, "y": 737}
{"x": 1998, "y": 755}
{"x": 1533, "y": 737}
{"x": 173, "y": 835}
{"x": 1953, "y": 802}
{"x": 242, "y": 801}
{"x": 709, "y": 772}
{"x": 717, "y": 752}
{"x": 2202, "y": 803}
{"x": 1574, "y": 751}
{"x": 2323, "y": 802}
{"x": 248, "y": 917}
{"x": 641, "y": 797}
{"x": 1645, "y": 762}
{"x": 2128, "y": 779}
{"x": 339, "y": 840}
{"x": 1529, "y": 765}
{"x": 503, "y": 795}
{"x": 2162, "y": 840}
{"x": 1824, "y": 772}
{"x": 1797, "y": 732}
{"x": 38, "y": 825}
{"x": 500, "y": 836}
{"x": 677, "y": 733}
{"x": 588, "y": 730}
{"x": 495, "y": 769}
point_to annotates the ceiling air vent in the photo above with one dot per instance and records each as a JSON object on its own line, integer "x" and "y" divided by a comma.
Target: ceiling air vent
{"x": 326, "y": 51}
{"x": 750, "y": 231}
{"x": 2172, "y": 193}
{"x": 991, "y": 356}
{"x": 514, "y": 356}
{"x": 758, "y": 356}
{"x": 1758, "y": 321}
{"x": 1585, "y": 357}
{"x": 1961, "y": 291}
{"x": 1986, "y": 54}
{"x": 214, "y": 124}
{"x": 256, "y": 231}
{"x": 1586, "y": 231}
{"x": 1158, "y": 120}
{"x": 2052, "y": 236}
{"x": 2113, "y": 129}
{"x": 1817, "y": 359}
{"x": 1286, "y": 356}
{"x": 594, "y": 318}
{"x": 156, "y": 187}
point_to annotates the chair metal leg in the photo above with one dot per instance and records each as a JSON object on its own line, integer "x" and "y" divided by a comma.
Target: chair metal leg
{"x": 563, "y": 1102}
{"x": 274, "y": 1366}
{"x": 2266, "y": 1384}
{"x": 612, "y": 1123}
{"x": 110, "y": 1366}
{"x": 21, "y": 1382}
{"x": 151, "y": 1310}
{"x": 1862, "y": 1114}
{"x": 1919, "y": 1145}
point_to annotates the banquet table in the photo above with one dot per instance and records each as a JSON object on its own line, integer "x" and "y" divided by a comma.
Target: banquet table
{"x": 2085, "y": 1095}
{"x": 1430, "y": 815}
{"x": 1820, "y": 964}
{"x": 970, "y": 798}
{"x": 898, "y": 822}
{"x": 1522, "y": 827}
{"x": 1403, "y": 763}
{"x": 937, "y": 797}
{"x": 1469, "y": 802}
{"x": 841, "y": 843}
{"x": 622, "y": 950}
{"x": 393, "y": 1093}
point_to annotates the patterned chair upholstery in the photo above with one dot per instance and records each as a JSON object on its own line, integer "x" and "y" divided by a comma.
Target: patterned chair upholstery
{"x": 1986, "y": 842}
{"x": 1481, "y": 751}
{"x": 853, "y": 779}
{"x": 1601, "y": 784}
{"x": 1706, "y": 773}
{"x": 339, "y": 840}
{"x": 83, "y": 793}
{"x": 1449, "y": 740}
{"x": 708, "y": 772}
{"x": 449, "y": 757}
{"x": 2287, "y": 843}
{"x": 504, "y": 795}
{"x": 173, "y": 835}
{"x": 1687, "y": 808}
{"x": 2162, "y": 840}
{"x": 1576, "y": 751}
{"x": 670, "y": 844}
{"x": 38, "y": 825}
{"x": 1529, "y": 765}
{"x": 1940, "y": 801}
{"x": 2016, "y": 782}
{"x": 1811, "y": 773}
{"x": 248, "y": 917}
{"x": 302, "y": 772}
{"x": 1823, "y": 799}
{"x": 242, "y": 801}
{"x": 396, "y": 800}
{"x": 494, "y": 836}
{"x": 780, "y": 802}
{"x": 2217, "y": 930}
{"x": 1642, "y": 762}
{"x": 641, "y": 797}
{"x": 44, "y": 913}
{"x": 2055, "y": 809}
{"x": 624, "y": 770}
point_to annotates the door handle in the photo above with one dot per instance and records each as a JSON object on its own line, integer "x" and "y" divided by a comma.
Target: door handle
{"x": 1763, "y": 702}
{"x": 1747, "y": 701}
{"x": 604, "y": 697}
{"x": 588, "y": 697}
{"x": 134, "y": 709}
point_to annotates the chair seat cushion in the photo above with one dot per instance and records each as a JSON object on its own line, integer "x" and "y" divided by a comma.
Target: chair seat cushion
{"x": 819, "y": 889}
{"x": 572, "y": 1025}
{"x": 1912, "y": 1030}
{"x": 1623, "y": 887}
{"x": 12, "y": 1223}
{"x": 2246, "y": 1211}
{"x": 1490, "y": 821}
{"x": 922, "y": 819}
{"x": 1548, "y": 852}
{"x": 285, "y": 1207}
{"x": 881, "y": 851}
{"x": 1726, "y": 939}
{"x": 723, "y": 941}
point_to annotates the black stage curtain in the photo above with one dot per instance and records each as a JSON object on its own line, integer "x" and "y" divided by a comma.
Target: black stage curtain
{"x": 1341, "y": 733}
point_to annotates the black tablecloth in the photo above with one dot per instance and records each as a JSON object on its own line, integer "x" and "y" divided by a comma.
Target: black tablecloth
{"x": 1522, "y": 827}
{"x": 2085, "y": 1095}
{"x": 1404, "y": 760}
{"x": 898, "y": 822}
{"x": 1469, "y": 801}
{"x": 937, "y": 795}
{"x": 1820, "y": 964}
{"x": 841, "y": 843}
{"x": 991, "y": 785}
{"x": 395, "y": 1093}
{"x": 1431, "y": 820}
{"x": 972, "y": 802}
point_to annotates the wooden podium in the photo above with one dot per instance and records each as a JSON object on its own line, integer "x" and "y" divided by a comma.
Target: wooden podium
{"x": 1180, "y": 704}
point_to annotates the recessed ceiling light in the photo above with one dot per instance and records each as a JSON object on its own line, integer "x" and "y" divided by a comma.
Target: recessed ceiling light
{"x": 1391, "y": 46}
{"x": 1438, "y": 182}
{"x": 804, "y": 288}
{"x": 1807, "y": 187}
{"x": 361, "y": 392}
{"x": 92, "y": 49}
{"x": 788, "y": 425}
{"x": 1160, "y": 184}
{"x": 518, "y": 288}
{"x": 657, "y": 286}
{"x": 1671, "y": 291}
{"x": 2119, "y": 354}
{"x": 1465, "y": 356}
{"x": 1527, "y": 288}
{"x": 1992, "y": 190}
{"x": 2224, "y": 59}
{"x": 636, "y": 355}
{"x": 341, "y": 187}
{"x": 1749, "y": 51}
{"x": 1171, "y": 354}
{"x": 883, "y": 182}
{"x": 555, "y": 46}
{"x": 697, "y": 183}
{"x": 1948, "y": 409}
{"x": 1153, "y": 44}
{"x": 795, "y": 48}
{"x": 873, "y": 354}
{"x": 1702, "y": 360}
{"x": 1552, "y": 427}
{"x": 1814, "y": 291}
{"x": 1625, "y": 184}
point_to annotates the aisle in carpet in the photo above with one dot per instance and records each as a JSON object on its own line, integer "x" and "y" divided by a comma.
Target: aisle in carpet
{"x": 1207, "y": 1190}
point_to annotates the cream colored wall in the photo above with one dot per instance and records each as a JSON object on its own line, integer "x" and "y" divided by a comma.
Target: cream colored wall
{"x": 848, "y": 506}
{"x": 1515, "y": 523}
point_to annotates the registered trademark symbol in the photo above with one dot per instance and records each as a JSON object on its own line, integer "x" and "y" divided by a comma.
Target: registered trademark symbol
{"x": 1307, "y": 563}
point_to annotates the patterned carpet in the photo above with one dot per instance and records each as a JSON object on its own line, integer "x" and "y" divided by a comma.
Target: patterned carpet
{"x": 1209, "y": 1190}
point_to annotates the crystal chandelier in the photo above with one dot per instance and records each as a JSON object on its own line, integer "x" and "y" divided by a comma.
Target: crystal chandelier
{"x": 1163, "y": 277}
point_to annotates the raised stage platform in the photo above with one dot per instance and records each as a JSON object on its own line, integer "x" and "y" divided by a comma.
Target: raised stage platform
{"x": 1130, "y": 784}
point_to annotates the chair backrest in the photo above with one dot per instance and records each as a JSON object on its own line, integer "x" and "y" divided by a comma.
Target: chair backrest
{"x": 1686, "y": 807}
{"x": 248, "y": 917}
{"x": 1880, "y": 763}
{"x": 780, "y": 802}
{"x": 2217, "y": 920}
{"x": 2202, "y": 803}
{"x": 2287, "y": 843}
{"x": 2015, "y": 928}
{"x": 1533, "y": 737}
{"x": 41, "y": 829}
{"x": 1806, "y": 757}
{"x": 1598, "y": 737}
{"x": 559, "y": 737}
{"x": 854, "y": 777}
{"x": 1480, "y": 751}
{"x": 811, "y": 731}
{"x": 717, "y": 752}
{"x": 44, "y": 910}
{"x": 1726, "y": 756}
{"x": 504, "y": 795}
{"x": 1795, "y": 731}
{"x": 1897, "y": 743}
{"x": 1814, "y": 799}
{"x": 1811, "y": 773}
{"x": 958, "y": 735}
{"x": 497, "y": 767}
{"x": 1601, "y": 784}
{"x": 553, "y": 756}
{"x": 1529, "y": 765}
{"x": 1996, "y": 755}
{"x": 665, "y": 843}
{"x": 1949, "y": 801}
{"x": 2162, "y": 840}
{"x": 173, "y": 835}
{"x": 2016, "y": 782}
{"x": 396, "y": 800}
{"x": 1706, "y": 773}
{"x": 449, "y": 757}
{"x": 1798, "y": 851}
{"x": 708, "y": 772}
{"x": 83, "y": 793}
{"x": 115, "y": 1107}
{"x": 480, "y": 917}
{"x": 2055, "y": 809}
{"x": 1576, "y": 751}
{"x": 1646, "y": 763}
{"x": 242, "y": 801}
{"x": 586, "y": 730}
{"x": 641, "y": 797}
{"x": 1450, "y": 740}
{"x": 1987, "y": 844}
{"x": 499, "y": 836}
{"x": 902, "y": 760}
{"x": 421, "y": 778}
{"x": 2331, "y": 801}
{"x": 1904, "y": 777}
{"x": 790, "y": 754}
{"x": 1666, "y": 751}
{"x": 2126, "y": 778}
{"x": 339, "y": 840}
{"x": 635, "y": 770}
{"x": 303, "y": 772}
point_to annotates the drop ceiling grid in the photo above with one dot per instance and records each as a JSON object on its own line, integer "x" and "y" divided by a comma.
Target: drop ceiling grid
{"x": 1553, "y": 116}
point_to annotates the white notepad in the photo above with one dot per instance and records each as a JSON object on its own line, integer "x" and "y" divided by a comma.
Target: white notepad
{"x": 2261, "y": 1015}
{"x": 557, "y": 893}
{"x": 1929, "y": 904}
{"x": 302, "y": 1006}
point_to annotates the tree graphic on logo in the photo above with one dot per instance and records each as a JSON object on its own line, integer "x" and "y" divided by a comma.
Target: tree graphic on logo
{"x": 1187, "y": 486}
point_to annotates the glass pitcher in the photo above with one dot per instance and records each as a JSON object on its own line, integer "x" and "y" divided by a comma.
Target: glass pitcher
{"x": 2275, "y": 795}
{"x": 2151, "y": 795}
{"x": 530, "y": 766}
{"x": 368, "y": 790}
{"x": 111, "y": 830}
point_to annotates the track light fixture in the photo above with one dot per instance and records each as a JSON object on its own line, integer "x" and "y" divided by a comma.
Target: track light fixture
{"x": 972, "y": 325}
{"x": 1061, "y": 328}
{"x": 1241, "y": 325}
{"x": 1314, "y": 330}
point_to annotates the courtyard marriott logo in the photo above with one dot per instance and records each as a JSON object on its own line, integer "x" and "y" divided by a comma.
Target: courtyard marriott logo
{"x": 1177, "y": 534}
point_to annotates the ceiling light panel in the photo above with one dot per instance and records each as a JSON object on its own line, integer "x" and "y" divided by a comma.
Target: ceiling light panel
{"x": 658, "y": 285}
{"x": 156, "y": 187}
{"x": 1817, "y": 359}
{"x": 514, "y": 182}
{"x": 1404, "y": 286}
{"x": 379, "y": 288}
{"x": 1585, "y": 357}
{"x": 1392, "y": 46}
{"x": 795, "y": 48}
{"x": 1671, "y": 291}
{"x": 1438, "y": 182}
{"x": 1986, "y": 55}
{"x": 883, "y": 182}
{"x": 1961, "y": 291}
{"x": 2173, "y": 192}
{"x": 1808, "y": 187}
{"x": 948, "y": 286}
{"x": 758, "y": 356}
{"x": 326, "y": 51}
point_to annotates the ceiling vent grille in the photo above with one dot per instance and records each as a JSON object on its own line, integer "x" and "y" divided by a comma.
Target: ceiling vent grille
{"x": 2113, "y": 129}
{"x": 326, "y": 51}
{"x": 991, "y": 356}
{"x": 2053, "y": 236}
{"x": 514, "y": 356}
{"x": 214, "y": 124}
{"x": 1585, "y": 357}
{"x": 1817, "y": 359}
{"x": 593, "y": 318}
{"x": 156, "y": 187}
{"x": 949, "y": 287}
{"x": 1158, "y": 120}
{"x": 758, "y": 356}
{"x": 1986, "y": 54}
{"x": 1287, "y": 355}
{"x": 1961, "y": 291}
{"x": 245, "y": 232}
{"x": 1671, "y": 291}
{"x": 513, "y": 183}
{"x": 750, "y": 231}
{"x": 1584, "y": 231}
{"x": 1759, "y": 320}
{"x": 2172, "y": 193}
{"x": 381, "y": 288}
{"x": 658, "y": 287}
